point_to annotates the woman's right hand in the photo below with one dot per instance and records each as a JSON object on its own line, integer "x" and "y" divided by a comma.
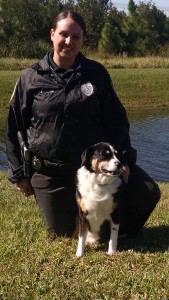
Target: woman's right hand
{"x": 25, "y": 187}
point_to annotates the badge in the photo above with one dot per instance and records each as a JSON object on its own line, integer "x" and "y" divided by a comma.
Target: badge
{"x": 87, "y": 89}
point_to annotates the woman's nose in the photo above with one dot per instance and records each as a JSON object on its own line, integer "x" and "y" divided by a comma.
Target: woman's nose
{"x": 68, "y": 40}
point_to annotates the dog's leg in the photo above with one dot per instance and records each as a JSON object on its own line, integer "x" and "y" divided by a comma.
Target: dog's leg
{"x": 83, "y": 229}
{"x": 114, "y": 228}
{"x": 81, "y": 245}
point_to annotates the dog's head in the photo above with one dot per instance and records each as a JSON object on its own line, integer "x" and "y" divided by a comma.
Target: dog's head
{"x": 103, "y": 158}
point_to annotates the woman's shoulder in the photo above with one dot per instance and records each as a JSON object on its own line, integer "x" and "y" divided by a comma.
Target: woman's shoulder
{"x": 39, "y": 66}
{"x": 88, "y": 63}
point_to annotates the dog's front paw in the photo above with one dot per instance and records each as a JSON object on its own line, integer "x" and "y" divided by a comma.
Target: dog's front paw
{"x": 111, "y": 252}
{"x": 111, "y": 249}
{"x": 79, "y": 254}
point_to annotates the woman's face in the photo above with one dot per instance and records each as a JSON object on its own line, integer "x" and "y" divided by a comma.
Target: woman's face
{"x": 67, "y": 40}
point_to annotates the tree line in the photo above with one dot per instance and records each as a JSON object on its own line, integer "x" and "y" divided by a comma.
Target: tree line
{"x": 25, "y": 27}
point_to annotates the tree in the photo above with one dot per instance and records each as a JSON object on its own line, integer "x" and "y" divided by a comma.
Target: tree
{"x": 132, "y": 7}
{"x": 151, "y": 24}
{"x": 23, "y": 28}
{"x": 116, "y": 18}
{"x": 112, "y": 40}
{"x": 129, "y": 28}
{"x": 94, "y": 13}
{"x": 106, "y": 41}
{"x": 130, "y": 35}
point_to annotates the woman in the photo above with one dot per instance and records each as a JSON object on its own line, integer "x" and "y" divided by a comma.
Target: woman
{"x": 63, "y": 104}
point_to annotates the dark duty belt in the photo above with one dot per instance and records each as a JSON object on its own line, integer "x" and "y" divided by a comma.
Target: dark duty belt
{"x": 42, "y": 165}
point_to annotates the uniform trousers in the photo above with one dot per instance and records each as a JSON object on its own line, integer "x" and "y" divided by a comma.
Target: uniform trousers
{"x": 55, "y": 195}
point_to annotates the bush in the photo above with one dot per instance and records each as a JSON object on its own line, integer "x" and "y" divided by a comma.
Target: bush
{"x": 24, "y": 49}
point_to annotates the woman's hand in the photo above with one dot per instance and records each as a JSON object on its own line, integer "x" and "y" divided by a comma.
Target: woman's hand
{"x": 126, "y": 173}
{"x": 25, "y": 187}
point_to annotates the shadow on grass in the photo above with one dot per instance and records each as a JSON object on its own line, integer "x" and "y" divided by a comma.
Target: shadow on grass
{"x": 152, "y": 240}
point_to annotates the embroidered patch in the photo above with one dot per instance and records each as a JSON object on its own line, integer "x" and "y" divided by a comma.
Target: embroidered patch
{"x": 13, "y": 93}
{"x": 87, "y": 89}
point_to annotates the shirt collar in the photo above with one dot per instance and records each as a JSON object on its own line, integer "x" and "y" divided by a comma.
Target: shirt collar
{"x": 57, "y": 69}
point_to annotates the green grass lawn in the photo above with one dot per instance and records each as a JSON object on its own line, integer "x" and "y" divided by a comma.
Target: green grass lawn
{"x": 142, "y": 88}
{"x": 34, "y": 267}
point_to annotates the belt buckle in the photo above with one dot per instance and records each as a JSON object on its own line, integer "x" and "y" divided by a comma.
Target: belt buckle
{"x": 36, "y": 163}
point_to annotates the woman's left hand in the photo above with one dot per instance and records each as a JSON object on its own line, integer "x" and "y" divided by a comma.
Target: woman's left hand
{"x": 24, "y": 186}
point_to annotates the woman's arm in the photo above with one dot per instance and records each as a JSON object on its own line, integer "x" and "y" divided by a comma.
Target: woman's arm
{"x": 115, "y": 121}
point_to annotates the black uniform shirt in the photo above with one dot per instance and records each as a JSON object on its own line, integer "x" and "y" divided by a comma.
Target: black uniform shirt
{"x": 61, "y": 115}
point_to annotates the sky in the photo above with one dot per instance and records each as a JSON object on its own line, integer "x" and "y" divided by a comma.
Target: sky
{"x": 160, "y": 4}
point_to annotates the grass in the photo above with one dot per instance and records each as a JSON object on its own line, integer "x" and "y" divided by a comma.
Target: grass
{"x": 36, "y": 268}
{"x": 115, "y": 62}
{"x": 7, "y": 83}
{"x": 142, "y": 88}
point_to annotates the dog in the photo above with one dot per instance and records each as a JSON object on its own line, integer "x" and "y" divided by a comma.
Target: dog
{"x": 98, "y": 194}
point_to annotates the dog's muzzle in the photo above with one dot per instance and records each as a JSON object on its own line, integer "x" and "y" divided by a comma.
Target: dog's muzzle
{"x": 115, "y": 172}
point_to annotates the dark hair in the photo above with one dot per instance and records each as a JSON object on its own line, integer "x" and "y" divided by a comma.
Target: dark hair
{"x": 74, "y": 16}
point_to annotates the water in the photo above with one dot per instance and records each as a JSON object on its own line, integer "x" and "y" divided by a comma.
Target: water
{"x": 149, "y": 135}
{"x": 151, "y": 139}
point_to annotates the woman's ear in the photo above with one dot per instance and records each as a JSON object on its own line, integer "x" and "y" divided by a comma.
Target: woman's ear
{"x": 52, "y": 32}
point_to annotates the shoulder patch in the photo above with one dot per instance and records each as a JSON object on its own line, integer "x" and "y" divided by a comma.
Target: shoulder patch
{"x": 14, "y": 90}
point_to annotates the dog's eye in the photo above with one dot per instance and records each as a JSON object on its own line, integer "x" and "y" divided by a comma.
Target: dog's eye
{"x": 107, "y": 152}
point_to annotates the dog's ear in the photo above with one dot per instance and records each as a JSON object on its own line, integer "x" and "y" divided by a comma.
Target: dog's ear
{"x": 83, "y": 157}
{"x": 86, "y": 156}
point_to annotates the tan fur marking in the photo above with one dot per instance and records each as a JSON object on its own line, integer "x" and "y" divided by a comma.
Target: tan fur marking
{"x": 76, "y": 230}
{"x": 103, "y": 164}
{"x": 83, "y": 208}
{"x": 78, "y": 199}
{"x": 81, "y": 203}
{"x": 95, "y": 165}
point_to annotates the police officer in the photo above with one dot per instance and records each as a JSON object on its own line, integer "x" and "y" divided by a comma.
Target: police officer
{"x": 63, "y": 104}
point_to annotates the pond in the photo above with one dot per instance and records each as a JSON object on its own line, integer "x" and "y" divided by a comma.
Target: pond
{"x": 149, "y": 135}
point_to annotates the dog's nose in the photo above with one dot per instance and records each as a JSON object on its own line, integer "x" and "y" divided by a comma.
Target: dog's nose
{"x": 118, "y": 164}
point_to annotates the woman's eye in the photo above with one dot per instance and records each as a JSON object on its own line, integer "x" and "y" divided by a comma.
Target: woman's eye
{"x": 76, "y": 37}
{"x": 64, "y": 35}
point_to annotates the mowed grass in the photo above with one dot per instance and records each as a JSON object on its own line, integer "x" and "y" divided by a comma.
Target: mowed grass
{"x": 35, "y": 268}
{"x": 142, "y": 88}
{"x": 109, "y": 61}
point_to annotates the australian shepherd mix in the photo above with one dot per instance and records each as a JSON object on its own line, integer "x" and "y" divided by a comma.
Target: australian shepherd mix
{"x": 99, "y": 186}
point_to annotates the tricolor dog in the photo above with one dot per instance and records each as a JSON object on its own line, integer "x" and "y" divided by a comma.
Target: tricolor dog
{"x": 99, "y": 184}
